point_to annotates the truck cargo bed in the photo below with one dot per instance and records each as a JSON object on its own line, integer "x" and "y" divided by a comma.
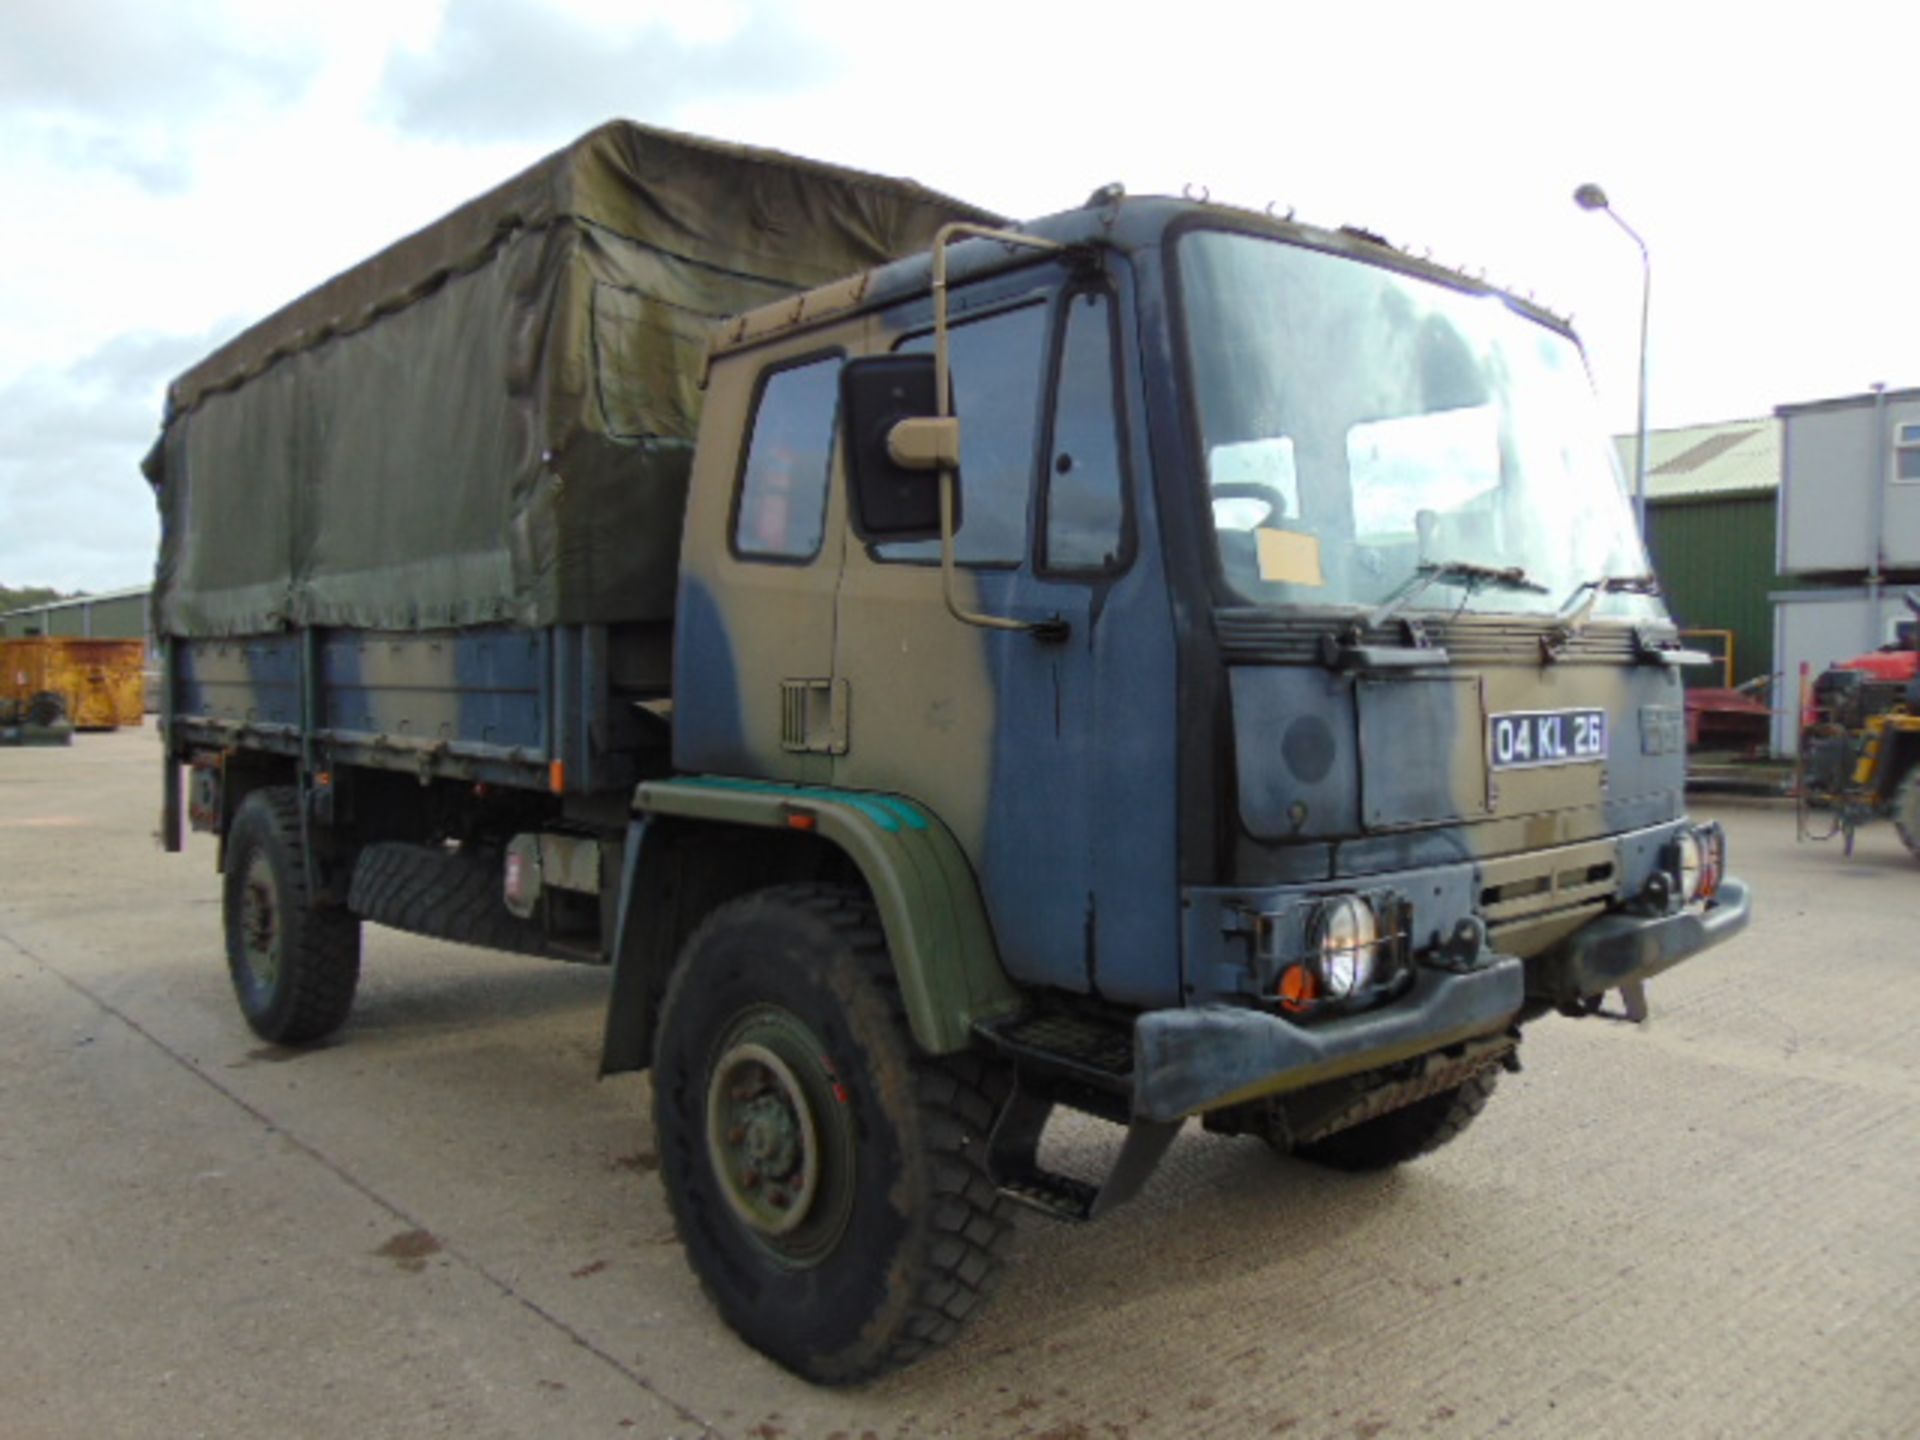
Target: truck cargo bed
{"x": 561, "y": 708}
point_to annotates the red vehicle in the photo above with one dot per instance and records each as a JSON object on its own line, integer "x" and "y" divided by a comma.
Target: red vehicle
{"x": 1860, "y": 737}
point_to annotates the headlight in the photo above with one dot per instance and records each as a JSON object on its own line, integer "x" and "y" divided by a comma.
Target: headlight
{"x": 1346, "y": 943}
{"x": 1688, "y": 859}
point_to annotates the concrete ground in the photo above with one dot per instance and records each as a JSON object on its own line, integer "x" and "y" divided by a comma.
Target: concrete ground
{"x": 441, "y": 1223}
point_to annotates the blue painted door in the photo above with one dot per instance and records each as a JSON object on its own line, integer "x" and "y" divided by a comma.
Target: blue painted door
{"x": 1050, "y": 758}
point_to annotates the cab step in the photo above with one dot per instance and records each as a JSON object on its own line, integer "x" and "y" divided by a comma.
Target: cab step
{"x": 1013, "y": 1162}
{"x": 1089, "y": 1049}
{"x": 1058, "y": 1197}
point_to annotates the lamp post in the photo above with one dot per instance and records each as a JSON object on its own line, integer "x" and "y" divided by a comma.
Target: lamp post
{"x": 1592, "y": 197}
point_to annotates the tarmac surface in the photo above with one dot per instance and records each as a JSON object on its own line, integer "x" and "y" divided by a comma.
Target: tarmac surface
{"x": 442, "y": 1224}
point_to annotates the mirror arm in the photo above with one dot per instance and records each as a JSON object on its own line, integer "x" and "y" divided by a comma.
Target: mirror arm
{"x": 954, "y": 607}
{"x": 942, "y": 410}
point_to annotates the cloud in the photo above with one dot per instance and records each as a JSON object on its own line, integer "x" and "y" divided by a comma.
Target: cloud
{"x": 154, "y": 163}
{"x": 128, "y": 60}
{"x": 74, "y": 510}
{"x": 504, "y": 70}
{"x": 118, "y": 87}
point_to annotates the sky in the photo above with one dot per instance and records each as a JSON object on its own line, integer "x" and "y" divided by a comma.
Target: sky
{"x": 176, "y": 169}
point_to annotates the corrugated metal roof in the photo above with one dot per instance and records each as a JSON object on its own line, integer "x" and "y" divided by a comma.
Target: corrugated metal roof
{"x": 1842, "y": 402}
{"x": 74, "y": 602}
{"x": 1729, "y": 458}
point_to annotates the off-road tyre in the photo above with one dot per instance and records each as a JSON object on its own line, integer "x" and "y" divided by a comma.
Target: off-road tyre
{"x": 294, "y": 964}
{"x": 902, "y": 1234}
{"x": 1407, "y": 1133}
{"x": 434, "y": 892}
{"x": 1906, "y": 811}
{"x": 47, "y": 708}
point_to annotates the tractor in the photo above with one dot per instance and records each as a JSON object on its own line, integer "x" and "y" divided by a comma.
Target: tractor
{"x": 1860, "y": 739}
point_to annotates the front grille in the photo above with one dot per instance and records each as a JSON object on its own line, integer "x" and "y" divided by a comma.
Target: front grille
{"x": 1252, "y": 636}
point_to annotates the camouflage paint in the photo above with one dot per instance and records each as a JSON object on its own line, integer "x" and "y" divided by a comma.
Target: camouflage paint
{"x": 746, "y": 628}
{"x": 943, "y": 950}
{"x": 1120, "y": 795}
{"x": 1357, "y": 753}
{"x": 483, "y": 704}
{"x": 1036, "y": 754}
{"x": 1060, "y": 767}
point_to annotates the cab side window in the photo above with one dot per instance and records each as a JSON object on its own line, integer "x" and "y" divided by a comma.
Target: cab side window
{"x": 1085, "y": 526}
{"x": 781, "y": 510}
{"x": 997, "y": 364}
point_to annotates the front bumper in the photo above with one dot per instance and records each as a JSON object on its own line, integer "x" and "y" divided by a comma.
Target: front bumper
{"x": 1618, "y": 950}
{"x": 1207, "y": 1056}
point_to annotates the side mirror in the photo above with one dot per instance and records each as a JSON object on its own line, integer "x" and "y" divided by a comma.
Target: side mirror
{"x": 896, "y": 446}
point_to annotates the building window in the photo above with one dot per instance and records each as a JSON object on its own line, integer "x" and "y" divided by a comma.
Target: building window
{"x": 1906, "y": 451}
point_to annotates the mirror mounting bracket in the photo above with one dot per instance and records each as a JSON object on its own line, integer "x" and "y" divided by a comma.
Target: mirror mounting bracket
{"x": 949, "y": 472}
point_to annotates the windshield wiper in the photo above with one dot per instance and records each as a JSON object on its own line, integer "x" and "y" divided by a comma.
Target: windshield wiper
{"x": 1607, "y": 585}
{"x": 1577, "y": 608}
{"x": 1429, "y": 573}
{"x": 1349, "y": 650}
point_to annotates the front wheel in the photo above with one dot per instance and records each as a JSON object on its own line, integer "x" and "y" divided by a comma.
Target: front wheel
{"x": 829, "y": 1181}
{"x": 294, "y": 965}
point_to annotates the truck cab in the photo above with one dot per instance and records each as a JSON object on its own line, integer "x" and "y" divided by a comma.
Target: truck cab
{"x": 1251, "y": 618}
{"x": 1332, "y": 699}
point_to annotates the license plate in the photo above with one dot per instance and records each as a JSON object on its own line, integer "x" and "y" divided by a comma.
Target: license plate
{"x": 1546, "y": 737}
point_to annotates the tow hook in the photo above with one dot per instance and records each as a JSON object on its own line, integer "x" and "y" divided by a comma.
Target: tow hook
{"x": 1633, "y": 1005}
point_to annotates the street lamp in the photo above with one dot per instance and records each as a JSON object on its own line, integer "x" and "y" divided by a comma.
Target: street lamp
{"x": 1592, "y": 197}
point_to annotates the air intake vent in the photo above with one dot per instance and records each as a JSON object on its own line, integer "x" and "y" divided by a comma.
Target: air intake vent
{"x": 813, "y": 716}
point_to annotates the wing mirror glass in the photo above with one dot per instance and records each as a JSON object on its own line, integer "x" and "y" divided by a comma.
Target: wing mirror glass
{"x": 896, "y": 447}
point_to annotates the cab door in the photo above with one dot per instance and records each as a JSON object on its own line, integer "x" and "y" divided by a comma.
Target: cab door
{"x": 753, "y": 641}
{"x": 1049, "y": 753}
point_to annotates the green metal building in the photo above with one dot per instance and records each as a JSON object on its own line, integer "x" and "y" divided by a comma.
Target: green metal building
{"x": 1711, "y": 522}
{"x": 115, "y": 615}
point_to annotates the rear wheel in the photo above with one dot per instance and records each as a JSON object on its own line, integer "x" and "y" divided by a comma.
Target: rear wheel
{"x": 828, "y": 1180}
{"x": 1906, "y": 811}
{"x": 1407, "y": 1133}
{"x": 294, "y": 965}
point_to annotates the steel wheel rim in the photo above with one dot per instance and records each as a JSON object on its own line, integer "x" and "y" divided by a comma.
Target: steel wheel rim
{"x": 259, "y": 925}
{"x": 778, "y": 1136}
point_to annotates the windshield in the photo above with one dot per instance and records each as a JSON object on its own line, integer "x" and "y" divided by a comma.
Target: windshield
{"x": 1359, "y": 424}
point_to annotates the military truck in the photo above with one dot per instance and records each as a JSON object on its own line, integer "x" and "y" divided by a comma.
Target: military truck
{"x": 1160, "y": 660}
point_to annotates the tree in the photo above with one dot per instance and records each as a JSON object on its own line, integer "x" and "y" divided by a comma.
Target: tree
{"x": 12, "y": 599}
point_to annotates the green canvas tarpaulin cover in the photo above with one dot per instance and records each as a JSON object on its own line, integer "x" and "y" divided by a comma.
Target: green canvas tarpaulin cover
{"x": 493, "y": 419}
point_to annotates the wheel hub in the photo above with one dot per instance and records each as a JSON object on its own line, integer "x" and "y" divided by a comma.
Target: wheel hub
{"x": 779, "y": 1136}
{"x": 765, "y": 1145}
{"x": 260, "y": 925}
{"x": 771, "y": 1138}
